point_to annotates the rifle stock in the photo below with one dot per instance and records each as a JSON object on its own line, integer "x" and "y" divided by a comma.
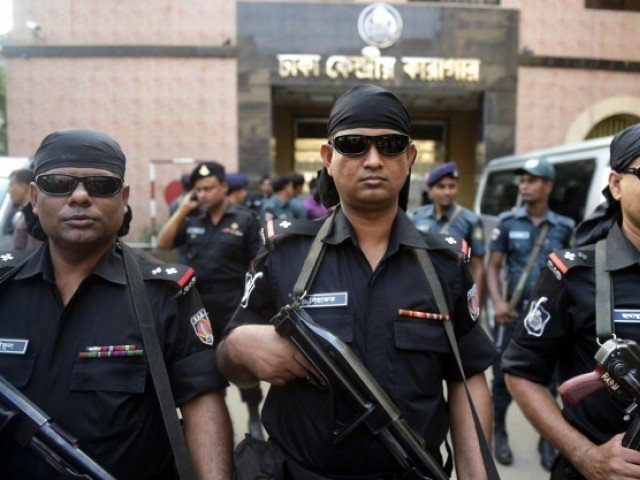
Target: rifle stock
{"x": 341, "y": 369}
{"x": 32, "y": 428}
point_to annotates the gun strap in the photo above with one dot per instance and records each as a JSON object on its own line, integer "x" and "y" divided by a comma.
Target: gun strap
{"x": 436, "y": 287}
{"x": 446, "y": 226}
{"x": 605, "y": 328}
{"x": 157, "y": 366}
{"x": 517, "y": 293}
{"x": 313, "y": 260}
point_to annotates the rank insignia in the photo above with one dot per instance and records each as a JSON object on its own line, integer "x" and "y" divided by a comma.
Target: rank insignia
{"x": 536, "y": 320}
{"x": 202, "y": 326}
{"x": 450, "y": 240}
{"x": 473, "y": 302}
{"x": 6, "y": 257}
{"x": 234, "y": 226}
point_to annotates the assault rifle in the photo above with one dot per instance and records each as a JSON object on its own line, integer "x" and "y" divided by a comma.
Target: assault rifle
{"x": 618, "y": 370}
{"x": 31, "y": 427}
{"x": 343, "y": 372}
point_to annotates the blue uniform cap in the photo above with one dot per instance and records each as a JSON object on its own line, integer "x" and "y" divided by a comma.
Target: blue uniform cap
{"x": 538, "y": 167}
{"x": 449, "y": 169}
{"x": 236, "y": 181}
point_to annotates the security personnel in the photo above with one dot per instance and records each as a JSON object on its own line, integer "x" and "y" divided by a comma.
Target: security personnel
{"x": 221, "y": 239}
{"x": 368, "y": 272}
{"x": 514, "y": 242}
{"x": 279, "y": 206}
{"x": 445, "y": 216}
{"x": 237, "y": 188}
{"x": 70, "y": 305}
{"x": 559, "y": 331}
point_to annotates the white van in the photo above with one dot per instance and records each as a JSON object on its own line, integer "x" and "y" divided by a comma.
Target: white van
{"x": 7, "y": 165}
{"x": 582, "y": 171}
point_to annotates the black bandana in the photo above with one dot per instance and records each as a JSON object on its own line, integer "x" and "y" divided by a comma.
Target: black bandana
{"x": 625, "y": 147}
{"x": 368, "y": 106}
{"x": 79, "y": 148}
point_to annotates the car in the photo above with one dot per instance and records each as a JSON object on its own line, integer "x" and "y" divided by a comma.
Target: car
{"x": 7, "y": 210}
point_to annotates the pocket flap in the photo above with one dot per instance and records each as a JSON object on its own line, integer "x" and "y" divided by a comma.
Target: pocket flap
{"x": 17, "y": 369}
{"x": 421, "y": 335}
{"x": 109, "y": 374}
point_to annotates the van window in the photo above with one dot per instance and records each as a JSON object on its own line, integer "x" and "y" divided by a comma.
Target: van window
{"x": 500, "y": 192}
{"x": 573, "y": 180}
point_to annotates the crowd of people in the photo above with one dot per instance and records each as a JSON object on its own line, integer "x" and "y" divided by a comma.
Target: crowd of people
{"x": 109, "y": 340}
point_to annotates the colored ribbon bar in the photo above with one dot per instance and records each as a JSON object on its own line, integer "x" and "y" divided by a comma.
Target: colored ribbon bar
{"x": 110, "y": 348}
{"x": 111, "y": 353}
{"x": 428, "y": 316}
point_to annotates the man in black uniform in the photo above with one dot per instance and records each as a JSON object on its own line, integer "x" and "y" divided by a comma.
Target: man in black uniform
{"x": 369, "y": 271}
{"x": 221, "y": 241}
{"x": 559, "y": 331}
{"x": 68, "y": 309}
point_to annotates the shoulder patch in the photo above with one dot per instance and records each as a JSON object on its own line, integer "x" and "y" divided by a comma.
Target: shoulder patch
{"x": 275, "y": 230}
{"x": 561, "y": 262}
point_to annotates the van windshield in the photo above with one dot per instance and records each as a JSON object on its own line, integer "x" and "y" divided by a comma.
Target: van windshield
{"x": 500, "y": 192}
{"x": 573, "y": 180}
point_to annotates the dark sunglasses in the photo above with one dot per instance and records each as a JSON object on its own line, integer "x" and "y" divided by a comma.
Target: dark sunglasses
{"x": 633, "y": 171}
{"x": 352, "y": 145}
{"x": 96, "y": 185}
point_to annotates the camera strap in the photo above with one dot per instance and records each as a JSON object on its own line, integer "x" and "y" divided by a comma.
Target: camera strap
{"x": 605, "y": 328}
{"x": 308, "y": 273}
{"x": 157, "y": 366}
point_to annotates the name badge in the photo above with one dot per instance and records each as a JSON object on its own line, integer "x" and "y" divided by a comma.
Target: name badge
{"x": 321, "y": 300}
{"x": 13, "y": 346}
{"x": 195, "y": 230}
{"x": 626, "y": 316}
{"x": 519, "y": 235}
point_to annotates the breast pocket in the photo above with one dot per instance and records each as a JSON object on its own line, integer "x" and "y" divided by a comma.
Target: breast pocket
{"x": 17, "y": 369}
{"x": 231, "y": 245}
{"x": 421, "y": 346}
{"x": 125, "y": 375}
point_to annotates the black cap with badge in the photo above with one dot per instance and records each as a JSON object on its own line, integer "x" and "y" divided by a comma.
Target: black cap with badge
{"x": 207, "y": 169}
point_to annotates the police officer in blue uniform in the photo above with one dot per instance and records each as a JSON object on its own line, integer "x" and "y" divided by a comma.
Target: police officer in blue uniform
{"x": 221, "y": 241}
{"x": 559, "y": 330}
{"x": 445, "y": 216}
{"x": 513, "y": 242}
{"x": 368, "y": 272}
{"x": 69, "y": 307}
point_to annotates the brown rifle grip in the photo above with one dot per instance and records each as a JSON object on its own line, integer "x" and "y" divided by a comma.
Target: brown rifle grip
{"x": 577, "y": 388}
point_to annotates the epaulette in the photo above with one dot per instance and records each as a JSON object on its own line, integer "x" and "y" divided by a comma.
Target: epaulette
{"x": 566, "y": 221}
{"x": 181, "y": 276}
{"x": 456, "y": 246}
{"x": 564, "y": 260}
{"x": 275, "y": 230}
{"x": 9, "y": 259}
{"x": 506, "y": 215}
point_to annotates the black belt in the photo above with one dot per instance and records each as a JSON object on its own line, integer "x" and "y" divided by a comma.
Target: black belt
{"x": 295, "y": 471}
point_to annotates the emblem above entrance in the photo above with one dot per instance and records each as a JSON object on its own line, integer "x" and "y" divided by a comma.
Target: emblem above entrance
{"x": 380, "y": 25}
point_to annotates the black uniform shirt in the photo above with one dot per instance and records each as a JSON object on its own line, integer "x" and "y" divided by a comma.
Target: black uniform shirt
{"x": 560, "y": 327}
{"x": 108, "y": 404}
{"x": 222, "y": 252}
{"x": 409, "y": 357}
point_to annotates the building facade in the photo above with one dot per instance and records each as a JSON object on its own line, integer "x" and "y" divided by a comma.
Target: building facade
{"x": 250, "y": 84}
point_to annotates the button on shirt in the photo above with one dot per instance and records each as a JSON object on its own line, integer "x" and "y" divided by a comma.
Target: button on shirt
{"x": 561, "y": 330}
{"x": 515, "y": 236}
{"x": 409, "y": 357}
{"x": 465, "y": 225}
{"x": 108, "y": 404}
{"x": 220, "y": 253}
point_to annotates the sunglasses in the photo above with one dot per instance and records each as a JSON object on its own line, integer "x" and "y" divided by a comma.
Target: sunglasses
{"x": 353, "y": 145}
{"x": 633, "y": 171}
{"x": 58, "y": 184}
